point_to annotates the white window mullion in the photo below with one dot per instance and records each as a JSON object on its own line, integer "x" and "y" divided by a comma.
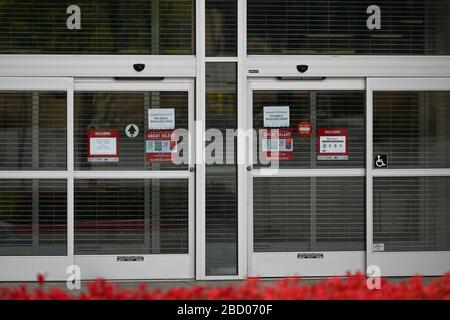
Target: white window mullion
{"x": 200, "y": 184}
{"x": 242, "y": 187}
{"x": 70, "y": 173}
{"x": 131, "y": 174}
{"x": 361, "y": 172}
{"x": 34, "y": 175}
{"x": 411, "y": 172}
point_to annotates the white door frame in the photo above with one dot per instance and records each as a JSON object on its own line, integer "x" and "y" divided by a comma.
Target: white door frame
{"x": 400, "y": 263}
{"x": 26, "y": 268}
{"x": 154, "y": 266}
{"x": 278, "y": 264}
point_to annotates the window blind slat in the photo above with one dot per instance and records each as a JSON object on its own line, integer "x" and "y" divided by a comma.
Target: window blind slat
{"x": 285, "y": 27}
{"x": 107, "y": 27}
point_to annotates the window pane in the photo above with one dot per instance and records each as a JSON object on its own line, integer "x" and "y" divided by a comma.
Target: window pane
{"x": 117, "y": 110}
{"x": 411, "y": 213}
{"x": 221, "y": 28}
{"x": 308, "y": 214}
{"x": 33, "y": 130}
{"x": 323, "y": 110}
{"x": 131, "y": 216}
{"x": 33, "y": 217}
{"x": 412, "y": 128}
{"x": 106, "y": 27}
{"x": 419, "y": 27}
{"x": 221, "y": 176}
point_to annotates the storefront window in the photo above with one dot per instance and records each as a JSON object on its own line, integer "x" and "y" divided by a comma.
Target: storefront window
{"x": 33, "y": 130}
{"x": 411, "y": 214}
{"x": 33, "y": 217}
{"x": 320, "y": 110}
{"x": 131, "y": 216}
{"x": 163, "y": 27}
{"x": 125, "y": 115}
{"x": 412, "y": 128}
{"x": 344, "y": 27}
{"x": 221, "y": 175}
{"x": 308, "y": 214}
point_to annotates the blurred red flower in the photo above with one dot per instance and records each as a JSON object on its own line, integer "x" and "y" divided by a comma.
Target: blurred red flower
{"x": 354, "y": 286}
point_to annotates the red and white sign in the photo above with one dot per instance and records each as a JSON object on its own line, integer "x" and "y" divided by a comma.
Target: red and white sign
{"x": 332, "y": 144}
{"x": 103, "y": 145}
{"x": 160, "y": 145}
{"x": 304, "y": 129}
{"x": 277, "y": 144}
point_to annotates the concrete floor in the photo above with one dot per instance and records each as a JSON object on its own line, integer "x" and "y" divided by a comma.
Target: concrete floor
{"x": 165, "y": 285}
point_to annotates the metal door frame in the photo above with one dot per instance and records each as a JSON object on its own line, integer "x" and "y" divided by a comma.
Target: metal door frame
{"x": 278, "y": 264}
{"x": 154, "y": 266}
{"x": 400, "y": 263}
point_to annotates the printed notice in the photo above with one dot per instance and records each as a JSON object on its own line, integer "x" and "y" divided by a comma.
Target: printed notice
{"x": 160, "y": 145}
{"x": 161, "y": 119}
{"x": 278, "y": 144}
{"x": 332, "y": 144}
{"x": 103, "y": 146}
{"x": 276, "y": 117}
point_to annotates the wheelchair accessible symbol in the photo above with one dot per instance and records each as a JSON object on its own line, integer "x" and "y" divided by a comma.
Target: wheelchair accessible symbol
{"x": 381, "y": 161}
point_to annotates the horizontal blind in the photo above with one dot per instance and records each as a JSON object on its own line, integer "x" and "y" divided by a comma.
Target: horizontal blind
{"x": 221, "y": 176}
{"x": 131, "y": 216}
{"x": 116, "y": 110}
{"x": 221, "y": 28}
{"x": 33, "y": 217}
{"x": 344, "y": 109}
{"x": 411, "y": 27}
{"x": 299, "y": 110}
{"x": 323, "y": 109}
{"x": 412, "y": 128}
{"x": 340, "y": 213}
{"x": 33, "y": 130}
{"x": 106, "y": 27}
{"x": 177, "y": 26}
{"x": 411, "y": 213}
{"x": 308, "y": 214}
{"x": 281, "y": 214}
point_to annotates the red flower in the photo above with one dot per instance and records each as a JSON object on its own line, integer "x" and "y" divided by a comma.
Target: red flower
{"x": 41, "y": 279}
{"x": 349, "y": 287}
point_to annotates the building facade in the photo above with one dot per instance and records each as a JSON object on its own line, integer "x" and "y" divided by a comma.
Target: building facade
{"x": 222, "y": 139}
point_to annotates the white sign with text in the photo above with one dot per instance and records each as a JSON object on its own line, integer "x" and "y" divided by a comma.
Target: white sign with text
{"x": 276, "y": 117}
{"x": 161, "y": 119}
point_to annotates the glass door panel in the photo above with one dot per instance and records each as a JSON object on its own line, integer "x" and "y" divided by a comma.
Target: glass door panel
{"x": 408, "y": 176}
{"x": 308, "y": 210}
{"x": 134, "y": 206}
{"x": 34, "y": 209}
